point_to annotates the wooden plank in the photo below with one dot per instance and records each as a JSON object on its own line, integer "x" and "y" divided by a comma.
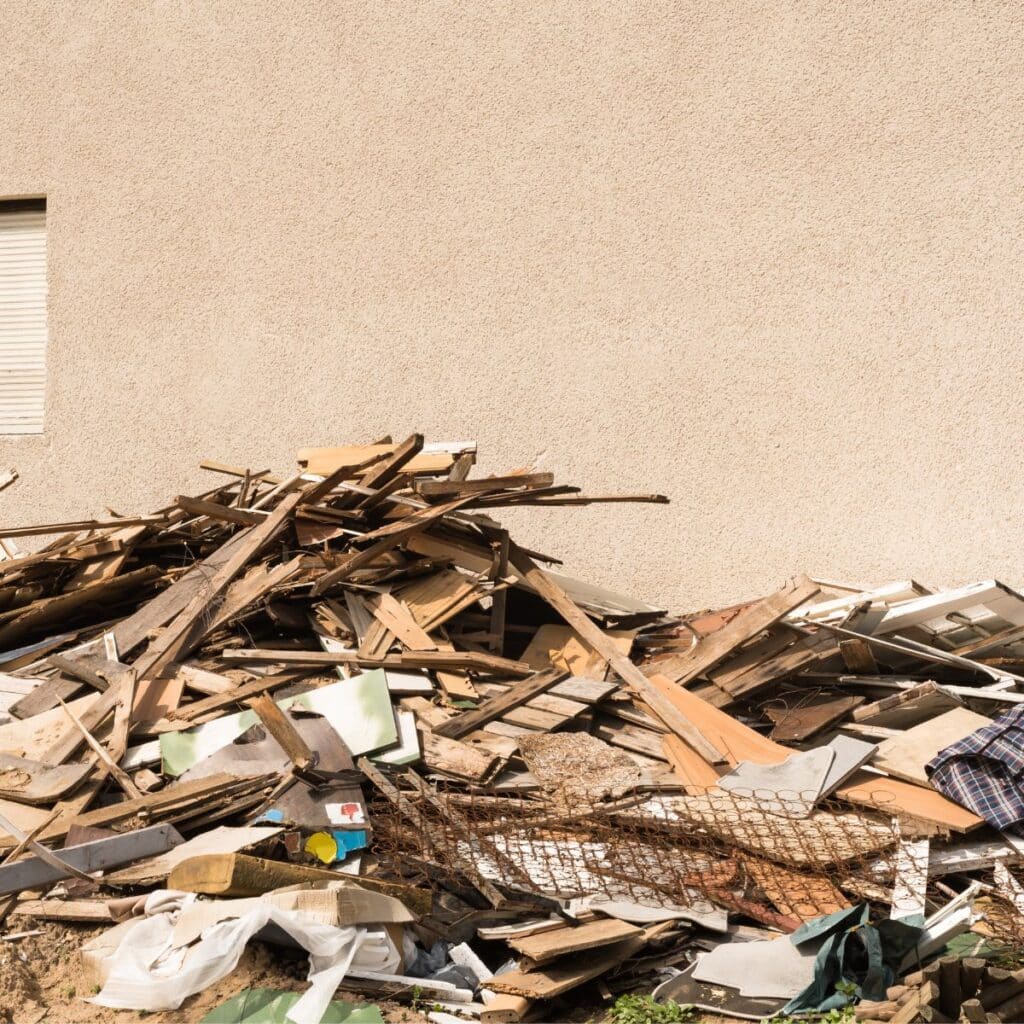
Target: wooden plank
{"x": 499, "y": 596}
{"x": 911, "y": 880}
{"x": 324, "y": 461}
{"x": 697, "y": 775}
{"x": 214, "y": 510}
{"x": 857, "y": 656}
{"x": 455, "y": 488}
{"x": 46, "y": 696}
{"x": 258, "y": 582}
{"x": 503, "y": 1008}
{"x": 808, "y": 715}
{"x": 157, "y": 612}
{"x": 545, "y": 946}
{"x": 201, "y": 680}
{"x": 81, "y": 525}
{"x": 677, "y": 722}
{"x": 91, "y": 718}
{"x": 738, "y": 742}
{"x": 574, "y": 971}
{"x": 478, "y": 660}
{"x": 891, "y": 796}
{"x": 399, "y": 620}
{"x": 93, "y": 911}
{"x": 801, "y": 655}
{"x": 116, "y": 773}
{"x": 58, "y": 610}
{"x": 386, "y": 538}
{"x": 381, "y": 474}
{"x": 239, "y": 692}
{"x": 747, "y": 625}
{"x": 461, "y": 760}
{"x": 563, "y": 647}
{"x": 283, "y": 730}
{"x": 35, "y": 873}
{"x": 177, "y": 802}
{"x": 1009, "y": 887}
{"x": 517, "y": 694}
{"x": 33, "y": 782}
{"x": 188, "y": 626}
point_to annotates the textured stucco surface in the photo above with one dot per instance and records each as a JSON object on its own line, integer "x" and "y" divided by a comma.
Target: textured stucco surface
{"x": 763, "y": 257}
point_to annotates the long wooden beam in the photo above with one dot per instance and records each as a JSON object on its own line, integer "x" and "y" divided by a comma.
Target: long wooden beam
{"x": 605, "y": 646}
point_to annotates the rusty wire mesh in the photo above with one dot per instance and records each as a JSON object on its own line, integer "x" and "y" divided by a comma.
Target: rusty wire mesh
{"x": 773, "y": 859}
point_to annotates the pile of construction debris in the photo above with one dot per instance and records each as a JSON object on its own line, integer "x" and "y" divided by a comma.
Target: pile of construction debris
{"x": 345, "y": 712}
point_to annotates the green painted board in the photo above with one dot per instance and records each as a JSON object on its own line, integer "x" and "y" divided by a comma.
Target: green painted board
{"x": 269, "y": 1006}
{"x": 358, "y": 709}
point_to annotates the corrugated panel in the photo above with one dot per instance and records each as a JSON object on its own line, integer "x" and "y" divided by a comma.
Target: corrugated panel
{"x": 22, "y": 320}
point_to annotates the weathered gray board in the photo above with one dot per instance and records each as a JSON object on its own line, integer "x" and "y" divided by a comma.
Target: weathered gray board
{"x": 35, "y": 873}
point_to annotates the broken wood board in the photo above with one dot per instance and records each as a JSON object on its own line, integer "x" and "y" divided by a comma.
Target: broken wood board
{"x": 546, "y": 983}
{"x": 909, "y": 802}
{"x": 549, "y": 945}
{"x": 35, "y": 873}
{"x": 710, "y": 650}
{"x": 554, "y": 646}
{"x": 798, "y": 717}
{"x": 665, "y": 710}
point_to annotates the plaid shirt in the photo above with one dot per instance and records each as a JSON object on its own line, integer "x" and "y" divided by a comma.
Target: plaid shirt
{"x": 984, "y": 772}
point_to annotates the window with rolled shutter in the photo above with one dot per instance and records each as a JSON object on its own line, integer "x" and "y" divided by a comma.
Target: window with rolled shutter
{"x": 22, "y": 315}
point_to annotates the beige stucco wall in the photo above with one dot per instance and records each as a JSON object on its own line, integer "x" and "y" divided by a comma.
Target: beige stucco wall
{"x": 763, "y": 257}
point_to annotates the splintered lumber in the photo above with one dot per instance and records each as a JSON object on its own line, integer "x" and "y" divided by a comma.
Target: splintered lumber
{"x": 747, "y": 625}
{"x": 177, "y": 802}
{"x": 620, "y": 664}
{"x": 471, "y": 660}
{"x": 157, "y": 612}
{"x": 82, "y": 525}
{"x": 59, "y": 609}
{"x": 120, "y": 776}
{"x": 549, "y": 945}
{"x": 32, "y": 782}
{"x": 388, "y": 468}
{"x": 455, "y": 488}
{"x": 187, "y": 629}
{"x": 573, "y": 971}
{"x": 283, "y": 730}
{"x": 92, "y": 911}
{"x": 460, "y": 760}
{"x": 495, "y": 707}
{"x": 213, "y": 509}
{"x": 35, "y": 872}
{"x": 181, "y": 634}
{"x": 387, "y": 538}
{"x": 237, "y": 874}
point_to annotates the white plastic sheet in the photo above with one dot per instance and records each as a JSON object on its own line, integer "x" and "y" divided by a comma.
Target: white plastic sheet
{"x": 148, "y": 971}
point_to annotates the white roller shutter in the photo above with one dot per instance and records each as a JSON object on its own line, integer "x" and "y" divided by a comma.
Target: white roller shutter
{"x": 22, "y": 319}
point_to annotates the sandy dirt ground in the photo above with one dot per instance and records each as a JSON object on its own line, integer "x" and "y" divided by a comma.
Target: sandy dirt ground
{"x": 42, "y": 980}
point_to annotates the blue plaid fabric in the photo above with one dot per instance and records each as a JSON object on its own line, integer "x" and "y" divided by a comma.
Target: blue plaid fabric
{"x": 984, "y": 772}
